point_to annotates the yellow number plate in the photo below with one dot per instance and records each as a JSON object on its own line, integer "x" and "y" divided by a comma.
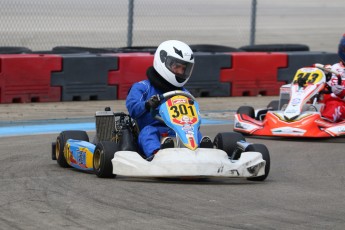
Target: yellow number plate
{"x": 308, "y": 75}
{"x": 181, "y": 111}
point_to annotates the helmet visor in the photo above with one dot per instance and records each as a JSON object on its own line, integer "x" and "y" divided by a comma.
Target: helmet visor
{"x": 180, "y": 68}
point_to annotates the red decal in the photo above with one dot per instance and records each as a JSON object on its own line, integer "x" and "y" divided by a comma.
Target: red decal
{"x": 71, "y": 159}
{"x": 82, "y": 166}
{"x": 177, "y": 121}
{"x": 192, "y": 142}
{"x": 182, "y": 122}
{"x": 193, "y": 120}
{"x": 179, "y": 100}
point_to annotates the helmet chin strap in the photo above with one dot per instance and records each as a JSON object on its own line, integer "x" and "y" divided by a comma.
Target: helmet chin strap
{"x": 159, "y": 82}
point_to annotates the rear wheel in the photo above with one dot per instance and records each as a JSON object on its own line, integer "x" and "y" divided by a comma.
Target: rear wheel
{"x": 53, "y": 151}
{"x": 228, "y": 141}
{"x": 102, "y": 156}
{"x": 265, "y": 155}
{"x": 247, "y": 110}
{"x": 61, "y": 142}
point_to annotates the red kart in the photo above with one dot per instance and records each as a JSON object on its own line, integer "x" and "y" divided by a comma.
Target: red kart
{"x": 296, "y": 114}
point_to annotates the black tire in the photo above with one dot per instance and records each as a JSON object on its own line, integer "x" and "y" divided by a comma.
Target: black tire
{"x": 78, "y": 49}
{"x": 265, "y": 155}
{"x": 273, "y": 105}
{"x": 275, "y": 47}
{"x": 102, "y": 156}
{"x": 228, "y": 141}
{"x": 61, "y": 142}
{"x": 14, "y": 50}
{"x": 137, "y": 49}
{"x": 53, "y": 151}
{"x": 248, "y": 110}
{"x": 213, "y": 48}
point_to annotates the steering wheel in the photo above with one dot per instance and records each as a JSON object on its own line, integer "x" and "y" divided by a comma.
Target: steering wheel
{"x": 170, "y": 94}
{"x": 322, "y": 67}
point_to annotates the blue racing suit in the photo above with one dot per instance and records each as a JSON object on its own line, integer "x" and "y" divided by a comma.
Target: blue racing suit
{"x": 150, "y": 128}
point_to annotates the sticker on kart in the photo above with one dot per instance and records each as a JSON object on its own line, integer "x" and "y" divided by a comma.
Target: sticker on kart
{"x": 183, "y": 113}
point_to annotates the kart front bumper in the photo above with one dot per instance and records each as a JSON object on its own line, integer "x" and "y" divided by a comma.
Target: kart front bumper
{"x": 309, "y": 125}
{"x": 182, "y": 162}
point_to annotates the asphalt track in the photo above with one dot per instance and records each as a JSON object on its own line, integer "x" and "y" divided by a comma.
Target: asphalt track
{"x": 304, "y": 190}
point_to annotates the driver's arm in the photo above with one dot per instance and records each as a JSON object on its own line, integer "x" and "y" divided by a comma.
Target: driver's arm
{"x": 136, "y": 98}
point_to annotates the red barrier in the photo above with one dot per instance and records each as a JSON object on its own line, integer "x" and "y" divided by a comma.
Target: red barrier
{"x": 131, "y": 68}
{"x": 252, "y": 74}
{"x": 26, "y": 78}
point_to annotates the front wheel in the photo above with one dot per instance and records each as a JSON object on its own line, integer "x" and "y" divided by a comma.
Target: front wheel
{"x": 265, "y": 155}
{"x": 102, "y": 156}
{"x": 228, "y": 141}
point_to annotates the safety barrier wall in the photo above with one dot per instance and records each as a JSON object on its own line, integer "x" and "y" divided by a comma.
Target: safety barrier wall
{"x": 131, "y": 68}
{"x": 254, "y": 74}
{"x": 85, "y": 77}
{"x": 26, "y": 78}
{"x": 108, "y": 76}
{"x": 205, "y": 79}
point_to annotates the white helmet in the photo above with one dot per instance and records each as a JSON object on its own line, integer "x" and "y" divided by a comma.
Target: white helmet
{"x": 174, "y": 61}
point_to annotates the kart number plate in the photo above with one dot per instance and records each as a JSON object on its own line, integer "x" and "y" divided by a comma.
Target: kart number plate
{"x": 182, "y": 111}
{"x": 308, "y": 76}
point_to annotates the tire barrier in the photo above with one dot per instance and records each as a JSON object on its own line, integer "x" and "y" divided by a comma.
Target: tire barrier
{"x": 79, "y": 50}
{"x": 26, "y": 78}
{"x": 213, "y": 48}
{"x": 85, "y": 77}
{"x": 138, "y": 49}
{"x": 14, "y": 50}
{"x": 275, "y": 48}
{"x": 253, "y": 74}
{"x": 80, "y": 74}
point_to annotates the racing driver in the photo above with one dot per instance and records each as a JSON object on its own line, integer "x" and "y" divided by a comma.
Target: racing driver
{"x": 172, "y": 67}
{"x": 334, "y": 110}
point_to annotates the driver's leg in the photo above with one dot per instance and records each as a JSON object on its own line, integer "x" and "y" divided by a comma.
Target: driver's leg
{"x": 334, "y": 111}
{"x": 149, "y": 140}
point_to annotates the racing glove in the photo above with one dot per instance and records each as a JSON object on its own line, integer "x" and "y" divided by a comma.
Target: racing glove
{"x": 153, "y": 102}
{"x": 337, "y": 89}
{"x": 327, "y": 68}
{"x": 327, "y": 72}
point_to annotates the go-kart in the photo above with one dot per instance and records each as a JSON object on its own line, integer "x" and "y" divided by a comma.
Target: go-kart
{"x": 298, "y": 111}
{"x": 114, "y": 151}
